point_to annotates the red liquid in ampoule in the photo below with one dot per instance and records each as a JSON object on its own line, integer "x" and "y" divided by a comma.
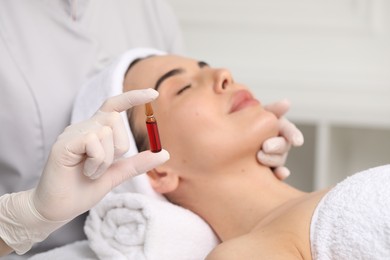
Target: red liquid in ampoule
{"x": 154, "y": 137}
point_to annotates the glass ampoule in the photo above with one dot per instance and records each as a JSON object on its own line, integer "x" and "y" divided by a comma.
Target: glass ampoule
{"x": 151, "y": 125}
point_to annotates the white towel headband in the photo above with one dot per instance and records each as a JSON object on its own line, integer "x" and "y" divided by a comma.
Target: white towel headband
{"x": 108, "y": 83}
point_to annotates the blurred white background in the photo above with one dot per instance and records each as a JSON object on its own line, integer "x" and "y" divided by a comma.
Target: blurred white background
{"x": 331, "y": 58}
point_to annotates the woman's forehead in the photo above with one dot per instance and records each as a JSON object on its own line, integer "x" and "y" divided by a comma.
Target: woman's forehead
{"x": 164, "y": 62}
{"x": 146, "y": 72}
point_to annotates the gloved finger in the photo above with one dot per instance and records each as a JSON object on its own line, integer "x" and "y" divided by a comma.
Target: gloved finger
{"x": 107, "y": 143}
{"x": 94, "y": 152}
{"x": 279, "y": 108}
{"x": 99, "y": 152}
{"x": 128, "y": 99}
{"x": 126, "y": 168}
{"x": 271, "y": 160}
{"x": 120, "y": 137}
{"x": 281, "y": 172}
{"x": 276, "y": 145}
{"x": 289, "y": 131}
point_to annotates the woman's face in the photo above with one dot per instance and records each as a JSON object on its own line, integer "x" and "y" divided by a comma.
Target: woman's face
{"x": 205, "y": 119}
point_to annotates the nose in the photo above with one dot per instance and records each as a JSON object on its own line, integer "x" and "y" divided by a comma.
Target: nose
{"x": 223, "y": 79}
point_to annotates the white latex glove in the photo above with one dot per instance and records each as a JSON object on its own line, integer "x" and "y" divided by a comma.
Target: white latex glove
{"x": 275, "y": 150}
{"x": 83, "y": 166}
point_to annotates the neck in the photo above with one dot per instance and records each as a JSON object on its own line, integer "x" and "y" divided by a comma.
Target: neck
{"x": 236, "y": 199}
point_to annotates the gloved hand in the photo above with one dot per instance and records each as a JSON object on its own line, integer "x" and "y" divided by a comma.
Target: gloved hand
{"x": 275, "y": 150}
{"x": 83, "y": 166}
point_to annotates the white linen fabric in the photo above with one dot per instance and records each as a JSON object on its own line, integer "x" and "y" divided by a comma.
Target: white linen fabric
{"x": 353, "y": 220}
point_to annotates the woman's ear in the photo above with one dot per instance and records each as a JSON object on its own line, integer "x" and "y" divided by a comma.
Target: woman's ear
{"x": 163, "y": 180}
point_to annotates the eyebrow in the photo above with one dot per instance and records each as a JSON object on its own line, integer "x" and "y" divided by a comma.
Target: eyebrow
{"x": 175, "y": 72}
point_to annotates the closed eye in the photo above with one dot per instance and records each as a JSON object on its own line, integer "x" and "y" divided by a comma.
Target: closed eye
{"x": 183, "y": 89}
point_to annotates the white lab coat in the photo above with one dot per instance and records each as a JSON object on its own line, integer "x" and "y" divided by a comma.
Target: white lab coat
{"x": 48, "y": 48}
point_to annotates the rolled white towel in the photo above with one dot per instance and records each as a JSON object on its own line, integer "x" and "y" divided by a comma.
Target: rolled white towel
{"x": 353, "y": 220}
{"x": 133, "y": 226}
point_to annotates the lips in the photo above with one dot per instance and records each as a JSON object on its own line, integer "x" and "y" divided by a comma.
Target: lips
{"x": 242, "y": 99}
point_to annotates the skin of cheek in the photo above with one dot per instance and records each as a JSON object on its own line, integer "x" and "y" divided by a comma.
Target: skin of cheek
{"x": 196, "y": 135}
{"x": 189, "y": 131}
{"x": 188, "y": 136}
{"x": 203, "y": 138}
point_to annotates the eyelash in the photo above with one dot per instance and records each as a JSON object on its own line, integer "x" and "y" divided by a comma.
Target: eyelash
{"x": 183, "y": 89}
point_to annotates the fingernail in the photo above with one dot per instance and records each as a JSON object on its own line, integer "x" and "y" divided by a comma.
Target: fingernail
{"x": 151, "y": 92}
{"x": 272, "y": 146}
{"x": 165, "y": 155}
{"x": 284, "y": 173}
{"x": 260, "y": 155}
{"x": 298, "y": 140}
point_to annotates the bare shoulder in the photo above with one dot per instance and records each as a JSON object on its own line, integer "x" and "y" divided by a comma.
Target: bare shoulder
{"x": 284, "y": 236}
{"x": 253, "y": 247}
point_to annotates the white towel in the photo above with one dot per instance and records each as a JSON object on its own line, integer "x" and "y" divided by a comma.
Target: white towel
{"x": 108, "y": 83}
{"x": 353, "y": 220}
{"x": 133, "y": 226}
{"x": 78, "y": 250}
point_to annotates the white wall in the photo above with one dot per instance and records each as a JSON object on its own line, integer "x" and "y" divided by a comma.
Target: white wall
{"x": 331, "y": 58}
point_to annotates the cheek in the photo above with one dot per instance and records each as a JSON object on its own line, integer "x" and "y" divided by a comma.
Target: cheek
{"x": 188, "y": 129}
